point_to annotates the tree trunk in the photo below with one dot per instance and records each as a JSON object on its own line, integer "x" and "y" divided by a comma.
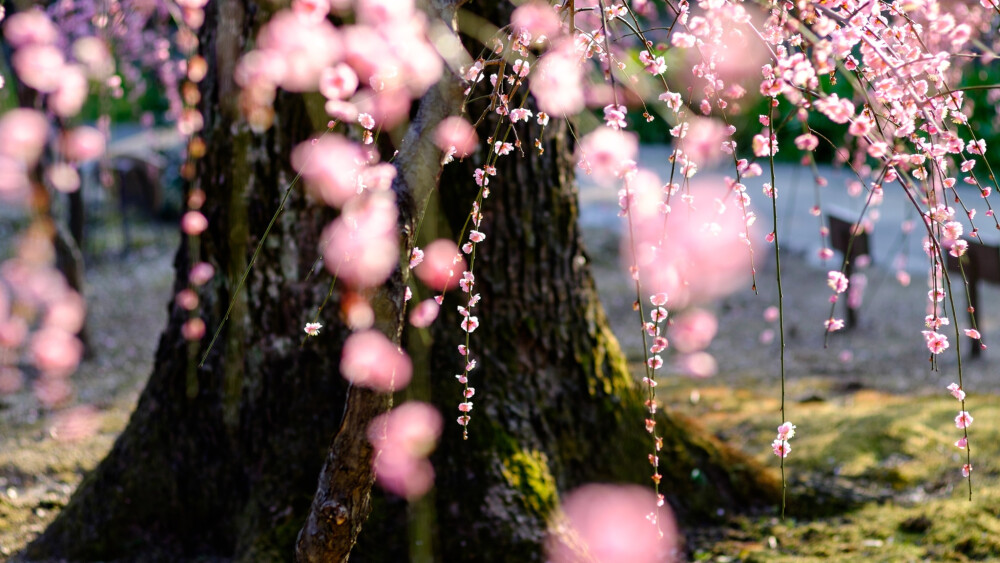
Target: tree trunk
{"x": 555, "y": 405}
{"x": 221, "y": 461}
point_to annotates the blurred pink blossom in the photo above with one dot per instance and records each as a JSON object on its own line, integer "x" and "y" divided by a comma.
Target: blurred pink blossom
{"x": 693, "y": 330}
{"x": 402, "y": 439}
{"x": 371, "y": 360}
{"x": 439, "y": 270}
{"x": 22, "y": 134}
{"x": 55, "y": 352}
{"x": 338, "y": 82}
{"x": 307, "y": 46}
{"x": 610, "y": 524}
{"x": 39, "y": 67}
{"x": 83, "y": 143}
{"x": 424, "y": 313}
{"x": 68, "y": 98}
{"x": 31, "y": 27}
{"x": 696, "y": 253}
{"x": 193, "y": 223}
{"x": 331, "y": 166}
{"x": 558, "y": 80}
{"x": 608, "y": 152}
{"x": 201, "y": 273}
{"x": 67, "y": 313}
{"x": 362, "y": 245}
{"x": 537, "y": 18}
{"x": 193, "y": 329}
{"x": 455, "y": 132}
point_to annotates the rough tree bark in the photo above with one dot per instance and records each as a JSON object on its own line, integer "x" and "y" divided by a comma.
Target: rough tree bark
{"x": 221, "y": 461}
{"x": 556, "y": 406}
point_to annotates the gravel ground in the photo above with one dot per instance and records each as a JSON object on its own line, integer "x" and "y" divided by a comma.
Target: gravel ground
{"x": 127, "y": 310}
{"x": 886, "y": 351}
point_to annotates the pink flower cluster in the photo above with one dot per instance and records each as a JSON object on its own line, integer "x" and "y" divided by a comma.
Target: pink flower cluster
{"x": 402, "y": 440}
{"x": 962, "y": 421}
{"x": 780, "y": 445}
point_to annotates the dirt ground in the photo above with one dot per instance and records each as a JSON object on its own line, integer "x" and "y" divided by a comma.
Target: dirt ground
{"x": 882, "y": 362}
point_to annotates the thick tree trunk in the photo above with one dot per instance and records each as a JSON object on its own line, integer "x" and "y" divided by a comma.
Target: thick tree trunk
{"x": 221, "y": 460}
{"x": 555, "y": 405}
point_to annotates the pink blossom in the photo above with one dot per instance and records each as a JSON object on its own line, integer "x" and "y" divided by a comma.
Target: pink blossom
{"x": 338, "y": 82}
{"x": 837, "y": 109}
{"x": 963, "y": 420}
{"x": 956, "y": 391}
{"x": 194, "y": 223}
{"x": 470, "y": 324}
{"x": 936, "y": 342}
{"x": 455, "y": 132}
{"x": 614, "y": 116}
{"x": 83, "y": 143}
{"x": 424, "y": 313}
{"x": 30, "y": 27}
{"x": 476, "y": 236}
{"x": 312, "y": 329}
{"x": 771, "y": 314}
{"x": 68, "y": 98}
{"x": 22, "y": 134}
{"x": 973, "y": 333}
{"x": 193, "y": 329}
{"x": 370, "y": 360}
{"x": 416, "y": 257}
{"x": 833, "y": 325}
{"x": 362, "y": 245}
{"x": 402, "y": 439}
{"x": 306, "y": 46}
{"x": 697, "y": 255}
{"x": 698, "y": 364}
{"x": 68, "y": 313}
{"x": 331, "y": 167}
{"x": 312, "y": 10}
{"x": 187, "y": 299}
{"x": 557, "y": 83}
{"x": 612, "y": 523}
{"x": 438, "y": 269}
{"x": 786, "y": 431}
{"x": 201, "y": 273}
{"x": 693, "y": 330}
{"x": 366, "y": 121}
{"x": 807, "y": 142}
{"x": 966, "y": 470}
{"x": 837, "y": 281}
{"x": 781, "y": 448}
{"x": 608, "y": 152}
{"x": 39, "y": 67}
{"x": 537, "y": 18}
{"x": 55, "y": 351}
{"x": 962, "y": 443}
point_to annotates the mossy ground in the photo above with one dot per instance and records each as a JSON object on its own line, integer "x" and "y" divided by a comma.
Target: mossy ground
{"x": 883, "y": 465}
